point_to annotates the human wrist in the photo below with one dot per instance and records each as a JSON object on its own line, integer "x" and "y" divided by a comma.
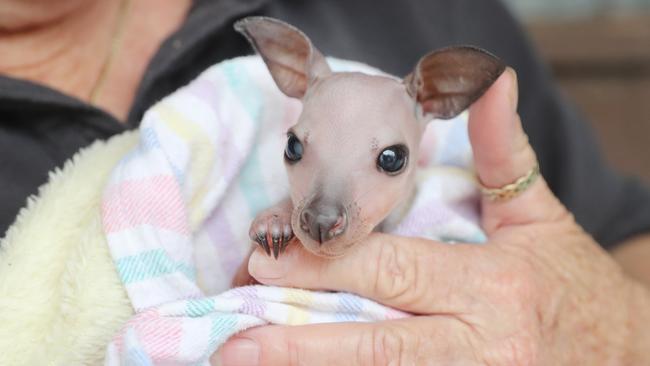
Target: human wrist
{"x": 637, "y": 342}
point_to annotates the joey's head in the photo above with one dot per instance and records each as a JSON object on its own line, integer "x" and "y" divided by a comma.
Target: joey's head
{"x": 351, "y": 156}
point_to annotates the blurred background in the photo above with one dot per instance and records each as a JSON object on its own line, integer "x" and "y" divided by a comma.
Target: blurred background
{"x": 599, "y": 51}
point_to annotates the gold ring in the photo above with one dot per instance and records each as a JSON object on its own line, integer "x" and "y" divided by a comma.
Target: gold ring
{"x": 513, "y": 189}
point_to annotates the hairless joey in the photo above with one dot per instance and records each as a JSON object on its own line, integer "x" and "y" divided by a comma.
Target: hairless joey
{"x": 350, "y": 156}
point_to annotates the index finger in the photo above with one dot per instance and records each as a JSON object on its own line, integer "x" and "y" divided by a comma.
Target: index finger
{"x": 411, "y": 274}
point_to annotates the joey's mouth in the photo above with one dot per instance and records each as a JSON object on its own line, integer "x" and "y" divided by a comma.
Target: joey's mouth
{"x": 335, "y": 249}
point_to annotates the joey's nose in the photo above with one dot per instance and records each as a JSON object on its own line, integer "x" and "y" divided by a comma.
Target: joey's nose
{"x": 324, "y": 223}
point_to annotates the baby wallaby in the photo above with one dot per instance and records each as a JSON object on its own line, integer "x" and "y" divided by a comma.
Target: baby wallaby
{"x": 351, "y": 157}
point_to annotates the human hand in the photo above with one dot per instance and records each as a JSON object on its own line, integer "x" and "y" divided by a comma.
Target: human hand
{"x": 541, "y": 291}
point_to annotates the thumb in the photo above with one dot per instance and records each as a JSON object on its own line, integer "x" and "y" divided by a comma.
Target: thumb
{"x": 502, "y": 155}
{"x": 391, "y": 342}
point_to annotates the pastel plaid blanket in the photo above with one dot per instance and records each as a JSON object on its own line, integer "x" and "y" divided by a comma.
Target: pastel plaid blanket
{"x": 176, "y": 212}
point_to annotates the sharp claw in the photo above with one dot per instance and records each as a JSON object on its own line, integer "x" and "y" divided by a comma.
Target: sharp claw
{"x": 287, "y": 233}
{"x": 261, "y": 240}
{"x": 285, "y": 243}
{"x": 276, "y": 246}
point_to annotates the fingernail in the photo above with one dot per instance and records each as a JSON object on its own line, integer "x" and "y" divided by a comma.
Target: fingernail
{"x": 513, "y": 96}
{"x": 263, "y": 267}
{"x": 239, "y": 352}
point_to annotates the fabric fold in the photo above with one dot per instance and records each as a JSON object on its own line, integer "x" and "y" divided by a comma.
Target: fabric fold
{"x": 176, "y": 211}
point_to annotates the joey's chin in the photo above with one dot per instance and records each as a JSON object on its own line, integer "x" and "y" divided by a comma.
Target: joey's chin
{"x": 331, "y": 249}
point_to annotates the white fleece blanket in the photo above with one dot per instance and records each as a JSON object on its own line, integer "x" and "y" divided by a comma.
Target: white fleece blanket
{"x": 177, "y": 208}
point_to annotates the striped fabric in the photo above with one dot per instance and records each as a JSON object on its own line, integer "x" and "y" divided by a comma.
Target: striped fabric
{"x": 177, "y": 208}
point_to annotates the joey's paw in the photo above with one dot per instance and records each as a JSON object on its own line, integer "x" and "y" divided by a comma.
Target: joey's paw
{"x": 272, "y": 231}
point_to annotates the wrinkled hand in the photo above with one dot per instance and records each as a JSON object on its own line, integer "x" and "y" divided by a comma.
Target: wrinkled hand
{"x": 541, "y": 292}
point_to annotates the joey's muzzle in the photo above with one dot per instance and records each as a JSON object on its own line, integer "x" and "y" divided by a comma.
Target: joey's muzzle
{"x": 323, "y": 221}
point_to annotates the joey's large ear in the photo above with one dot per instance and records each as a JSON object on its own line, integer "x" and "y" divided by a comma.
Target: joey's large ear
{"x": 448, "y": 81}
{"x": 289, "y": 55}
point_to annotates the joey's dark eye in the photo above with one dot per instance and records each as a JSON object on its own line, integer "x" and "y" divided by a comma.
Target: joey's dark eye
{"x": 392, "y": 159}
{"x": 293, "y": 151}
